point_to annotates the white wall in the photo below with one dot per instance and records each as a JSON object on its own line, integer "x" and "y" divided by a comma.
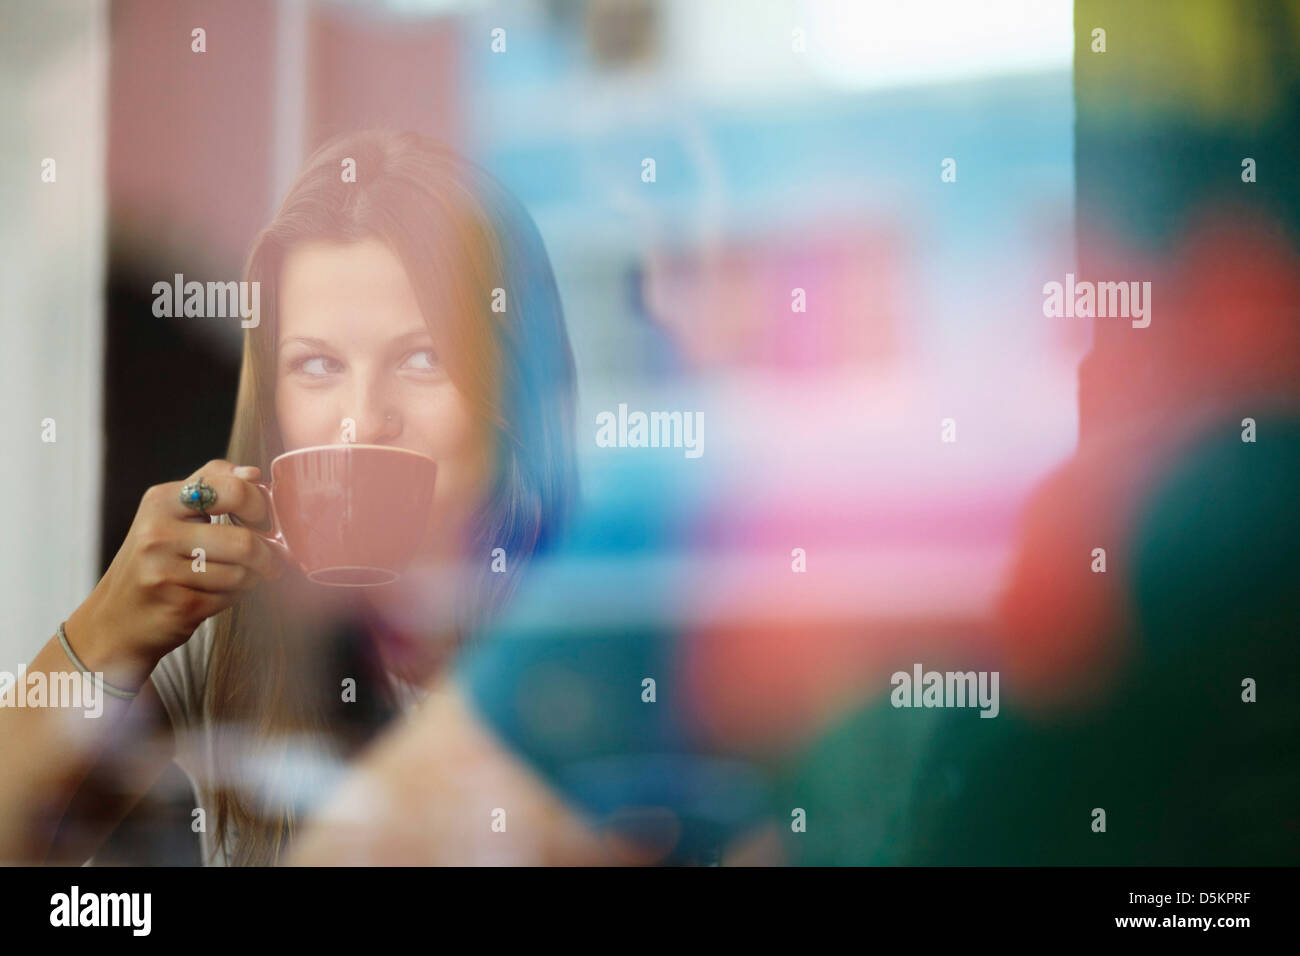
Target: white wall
{"x": 53, "y": 96}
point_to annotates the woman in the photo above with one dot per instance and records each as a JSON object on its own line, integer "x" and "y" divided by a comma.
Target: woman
{"x": 407, "y": 301}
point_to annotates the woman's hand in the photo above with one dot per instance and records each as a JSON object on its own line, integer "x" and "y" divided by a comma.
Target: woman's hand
{"x": 154, "y": 595}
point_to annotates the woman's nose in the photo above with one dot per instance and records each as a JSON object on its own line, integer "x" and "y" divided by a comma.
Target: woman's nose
{"x": 378, "y": 420}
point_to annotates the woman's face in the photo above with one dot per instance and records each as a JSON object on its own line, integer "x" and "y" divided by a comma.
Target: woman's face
{"x": 353, "y": 345}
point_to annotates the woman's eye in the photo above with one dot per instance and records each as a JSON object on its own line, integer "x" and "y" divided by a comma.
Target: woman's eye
{"x": 424, "y": 360}
{"x": 316, "y": 365}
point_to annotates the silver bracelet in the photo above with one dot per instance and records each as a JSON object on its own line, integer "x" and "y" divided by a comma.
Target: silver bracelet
{"x": 104, "y": 685}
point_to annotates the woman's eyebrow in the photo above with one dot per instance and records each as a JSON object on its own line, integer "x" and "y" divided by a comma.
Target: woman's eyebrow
{"x": 305, "y": 340}
{"x": 415, "y": 335}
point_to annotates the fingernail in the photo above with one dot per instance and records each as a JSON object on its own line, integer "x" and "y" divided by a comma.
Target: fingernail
{"x": 245, "y": 471}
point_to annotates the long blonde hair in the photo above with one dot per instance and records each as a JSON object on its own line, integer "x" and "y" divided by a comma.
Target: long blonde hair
{"x": 454, "y": 227}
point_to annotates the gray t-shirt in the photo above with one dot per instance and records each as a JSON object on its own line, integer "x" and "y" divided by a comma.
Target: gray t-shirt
{"x": 302, "y": 772}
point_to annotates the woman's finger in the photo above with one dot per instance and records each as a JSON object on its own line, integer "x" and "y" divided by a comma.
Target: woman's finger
{"x": 234, "y": 496}
{"x": 216, "y": 577}
{"x": 229, "y": 544}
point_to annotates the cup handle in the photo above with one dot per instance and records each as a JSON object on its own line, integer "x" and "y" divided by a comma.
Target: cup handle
{"x": 275, "y": 536}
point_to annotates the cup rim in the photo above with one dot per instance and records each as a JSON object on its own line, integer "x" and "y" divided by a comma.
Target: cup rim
{"x": 346, "y": 444}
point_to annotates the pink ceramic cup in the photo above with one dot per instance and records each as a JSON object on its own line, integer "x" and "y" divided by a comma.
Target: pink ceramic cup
{"x": 349, "y": 515}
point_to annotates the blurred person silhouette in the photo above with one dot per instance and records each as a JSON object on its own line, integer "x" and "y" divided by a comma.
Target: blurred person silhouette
{"x": 1127, "y": 689}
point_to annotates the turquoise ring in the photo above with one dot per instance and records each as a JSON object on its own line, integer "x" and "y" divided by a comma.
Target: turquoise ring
{"x": 199, "y": 496}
